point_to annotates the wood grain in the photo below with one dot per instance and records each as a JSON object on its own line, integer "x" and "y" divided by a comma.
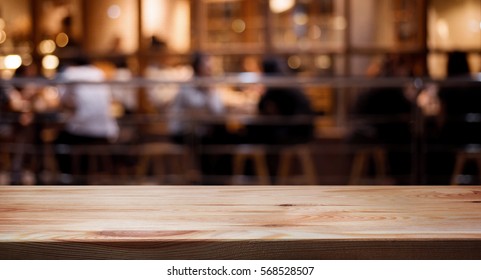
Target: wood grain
{"x": 240, "y": 222}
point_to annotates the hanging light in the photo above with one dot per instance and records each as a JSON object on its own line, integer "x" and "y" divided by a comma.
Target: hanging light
{"x": 280, "y": 6}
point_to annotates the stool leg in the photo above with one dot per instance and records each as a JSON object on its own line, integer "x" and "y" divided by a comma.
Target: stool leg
{"x": 50, "y": 165}
{"x": 179, "y": 170}
{"x": 308, "y": 166}
{"x": 142, "y": 165}
{"x": 5, "y": 168}
{"x": 191, "y": 169}
{"x": 5, "y": 160}
{"x": 158, "y": 167}
{"x": 358, "y": 168}
{"x": 285, "y": 159}
{"x": 93, "y": 168}
{"x": 478, "y": 160}
{"x": 75, "y": 158}
{"x": 380, "y": 159}
{"x": 261, "y": 169}
{"x": 458, "y": 167}
{"x": 239, "y": 162}
{"x": 107, "y": 163}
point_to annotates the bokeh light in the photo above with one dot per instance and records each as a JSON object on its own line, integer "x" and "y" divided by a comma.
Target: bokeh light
{"x": 238, "y": 26}
{"x": 62, "y": 40}
{"x": 13, "y": 61}
{"x": 47, "y": 46}
{"x": 50, "y": 62}
{"x": 294, "y": 62}
{"x": 114, "y": 11}
{"x": 3, "y": 37}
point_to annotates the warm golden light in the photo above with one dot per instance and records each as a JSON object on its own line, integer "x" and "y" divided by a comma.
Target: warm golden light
{"x": 238, "y": 26}
{"x": 27, "y": 59}
{"x": 442, "y": 27}
{"x": 180, "y": 26}
{"x": 62, "y": 40}
{"x": 13, "y": 61}
{"x": 2, "y": 23}
{"x": 114, "y": 12}
{"x": 3, "y": 37}
{"x": 301, "y": 19}
{"x": 294, "y": 62}
{"x": 47, "y": 46}
{"x": 323, "y": 62}
{"x": 315, "y": 32}
{"x": 50, "y": 62}
{"x": 159, "y": 14}
{"x": 280, "y": 6}
{"x": 340, "y": 23}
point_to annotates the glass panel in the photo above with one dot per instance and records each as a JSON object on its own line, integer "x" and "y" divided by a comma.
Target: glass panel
{"x": 15, "y": 35}
{"x": 60, "y": 22}
{"x": 119, "y": 21}
{"x": 232, "y": 24}
{"x": 166, "y": 24}
{"x": 454, "y": 24}
{"x": 15, "y": 23}
{"x": 308, "y": 24}
{"x": 386, "y": 24}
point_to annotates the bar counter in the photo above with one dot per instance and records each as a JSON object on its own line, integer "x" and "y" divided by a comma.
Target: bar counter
{"x": 240, "y": 222}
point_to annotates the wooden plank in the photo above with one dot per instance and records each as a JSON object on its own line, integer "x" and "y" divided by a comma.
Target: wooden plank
{"x": 240, "y": 222}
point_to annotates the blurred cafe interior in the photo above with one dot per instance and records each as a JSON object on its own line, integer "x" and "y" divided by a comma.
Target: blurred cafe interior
{"x": 255, "y": 92}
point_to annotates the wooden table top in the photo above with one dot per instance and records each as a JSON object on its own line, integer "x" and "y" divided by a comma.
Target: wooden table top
{"x": 138, "y": 219}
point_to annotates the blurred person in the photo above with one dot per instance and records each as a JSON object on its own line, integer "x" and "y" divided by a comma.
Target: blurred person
{"x": 195, "y": 103}
{"x": 126, "y": 96}
{"x": 288, "y": 106}
{"x": 192, "y": 117}
{"x": 90, "y": 121}
{"x": 285, "y": 116}
{"x": 22, "y": 99}
{"x": 25, "y": 108}
{"x": 6, "y": 133}
{"x": 459, "y": 119}
{"x": 383, "y": 118}
{"x": 458, "y": 101}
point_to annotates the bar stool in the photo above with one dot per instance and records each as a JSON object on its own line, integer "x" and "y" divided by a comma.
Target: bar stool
{"x": 361, "y": 159}
{"x": 471, "y": 153}
{"x": 95, "y": 157}
{"x": 303, "y": 153}
{"x": 157, "y": 155}
{"x": 257, "y": 155}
